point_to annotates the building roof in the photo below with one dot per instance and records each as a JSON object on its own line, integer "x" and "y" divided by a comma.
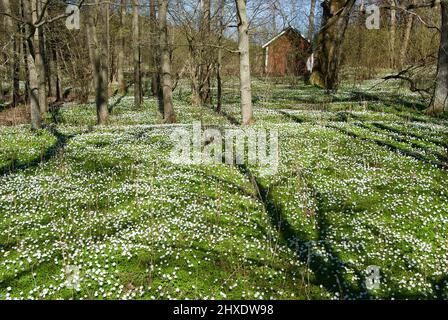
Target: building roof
{"x": 267, "y": 44}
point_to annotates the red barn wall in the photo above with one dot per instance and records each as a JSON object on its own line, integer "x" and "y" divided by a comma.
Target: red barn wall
{"x": 287, "y": 55}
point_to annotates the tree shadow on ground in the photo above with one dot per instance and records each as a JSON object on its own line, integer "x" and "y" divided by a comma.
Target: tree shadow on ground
{"x": 116, "y": 103}
{"x": 291, "y": 117}
{"x": 51, "y": 152}
{"x": 328, "y": 268}
{"x": 440, "y": 157}
{"x": 392, "y": 147}
{"x": 389, "y": 99}
{"x": 385, "y": 127}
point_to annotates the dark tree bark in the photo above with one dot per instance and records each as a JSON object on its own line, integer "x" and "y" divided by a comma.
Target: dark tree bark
{"x": 103, "y": 109}
{"x": 336, "y": 14}
{"x": 155, "y": 50}
{"x": 57, "y": 83}
{"x": 13, "y": 52}
{"x": 439, "y": 102}
{"x": 99, "y": 59}
{"x": 136, "y": 54}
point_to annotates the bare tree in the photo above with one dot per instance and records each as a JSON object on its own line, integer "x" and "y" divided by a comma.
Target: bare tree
{"x": 13, "y": 55}
{"x": 392, "y": 33}
{"x": 245, "y": 77}
{"x": 407, "y": 36}
{"x": 311, "y": 20}
{"x": 220, "y": 54}
{"x": 30, "y": 16}
{"x": 155, "y": 49}
{"x": 205, "y": 93}
{"x": 121, "y": 47}
{"x": 165, "y": 67}
{"x": 136, "y": 54}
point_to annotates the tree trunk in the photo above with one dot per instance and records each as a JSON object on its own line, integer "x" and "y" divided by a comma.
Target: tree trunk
{"x": 274, "y": 18}
{"x": 336, "y": 14}
{"x": 16, "y": 69}
{"x": 57, "y": 76}
{"x": 121, "y": 48}
{"x": 98, "y": 58}
{"x": 103, "y": 105}
{"x": 205, "y": 83}
{"x": 155, "y": 52}
{"x": 393, "y": 32}
{"x": 40, "y": 62}
{"x": 167, "y": 83}
{"x": 220, "y": 54}
{"x": 406, "y": 38}
{"x": 23, "y": 48}
{"x": 245, "y": 77}
{"x": 13, "y": 53}
{"x": 360, "y": 38}
{"x": 311, "y": 21}
{"x": 136, "y": 54}
{"x": 439, "y": 102}
{"x": 30, "y": 15}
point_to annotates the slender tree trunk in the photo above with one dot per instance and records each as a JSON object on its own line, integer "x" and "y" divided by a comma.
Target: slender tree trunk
{"x": 136, "y": 54}
{"x": 16, "y": 69}
{"x": 311, "y": 20}
{"x": 155, "y": 52}
{"x": 57, "y": 76}
{"x": 23, "y": 49}
{"x": 39, "y": 61}
{"x": 13, "y": 53}
{"x": 30, "y": 15}
{"x": 336, "y": 14}
{"x": 439, "y": 102}
{"x": 274, "y": 18}
{"x": 406, "y": 38}
{"x": 245, "y": 76}
{"x": 220, "y": 54}
{"x": 360, "y": 36}
{"x": 167, "y": 83}
{"x": 103, "y": 105}
{"x": 46, "y": 58}
{"x": 393, "y": 32}
{"x": 204, "y": 73}
{"x": 51, "y": 73}
{"x": 121, "y": 48}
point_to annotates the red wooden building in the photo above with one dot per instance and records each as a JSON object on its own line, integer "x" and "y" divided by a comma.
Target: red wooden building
{"x": 286, "y": 54}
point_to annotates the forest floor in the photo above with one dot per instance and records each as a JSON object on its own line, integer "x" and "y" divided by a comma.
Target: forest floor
{"x": 103, "y": 213}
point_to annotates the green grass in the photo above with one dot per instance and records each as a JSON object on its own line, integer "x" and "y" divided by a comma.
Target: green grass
{"x": 361, "y": 182}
